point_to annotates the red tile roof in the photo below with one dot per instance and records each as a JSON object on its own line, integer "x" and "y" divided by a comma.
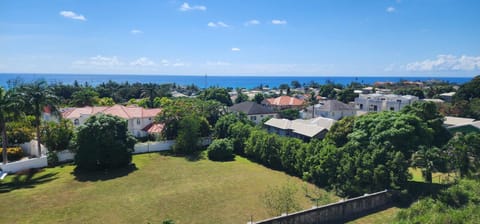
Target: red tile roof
{"x": 116, "y": 110}
{"x": 154, "y": 128}
{"x": 285, "y": 101}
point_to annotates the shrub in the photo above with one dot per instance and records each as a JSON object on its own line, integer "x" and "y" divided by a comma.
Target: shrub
{"x": 13, "y": 153}
{"x": 220, "y": 150}
{"x": 104, "y": 142}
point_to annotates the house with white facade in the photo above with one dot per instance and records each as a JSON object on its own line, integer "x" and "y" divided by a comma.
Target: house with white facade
{"x": 138, "y": 118}
{"x": 254, "y": 111}
{"x": 332, "y": 109}
{"x": 302, "y": 129}
{"x": 383, "y": 102}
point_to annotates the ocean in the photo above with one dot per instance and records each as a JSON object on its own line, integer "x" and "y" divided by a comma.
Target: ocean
{"x": 220, "y": 81}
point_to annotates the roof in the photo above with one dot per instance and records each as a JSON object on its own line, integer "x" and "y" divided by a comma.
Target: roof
{"x": 308, "y": 128}
{"x": 434, "y": 100}
{"x": 448, "y": 94}
{"x": 251, "y": 108}
{"x": 154, "y": 128}
{"x": 333, "y": 105}
{"x": 453, "y": 121}
{"x": 284, "y": 101}
{"x": 116, "y": 110}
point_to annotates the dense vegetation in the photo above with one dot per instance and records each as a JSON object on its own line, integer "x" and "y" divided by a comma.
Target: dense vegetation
{"x": 103, "y": 143}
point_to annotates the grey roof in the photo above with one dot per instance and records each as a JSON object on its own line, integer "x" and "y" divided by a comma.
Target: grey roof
{"x": 333, "y": 105}
{"x": 251, "y": 108}
{"x": 307, "y": 128}
{"x": 454, "y": 121}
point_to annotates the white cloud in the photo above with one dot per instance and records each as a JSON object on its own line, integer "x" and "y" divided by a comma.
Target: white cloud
{"x": 252, "y": 22}
{"x": 100, "y": 60}
{"x": 72, "y": 15}
{"x": 390, "y": 9}
{"x": 186, "y": 7}
{"x": 235, "y": 49}
{"x": 218, "y": 24}
{"x": 178, "y": 64}
{"x": 279, "y": 22}
{"x": 143, "y": 61}
{"x": 446, "y": 63}
{"x": 135, "y": 31}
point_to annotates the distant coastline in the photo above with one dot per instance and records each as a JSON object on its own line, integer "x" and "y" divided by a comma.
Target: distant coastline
{"x": 244, "y": 81}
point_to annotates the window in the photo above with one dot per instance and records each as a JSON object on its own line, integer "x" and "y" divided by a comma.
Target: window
{"x": 138, "y": 121}
{"x": 361, "y": 106}
{"x": 253, "y": 118}
{"x": 392, "y": 109}
{"x": 76, "y": 122}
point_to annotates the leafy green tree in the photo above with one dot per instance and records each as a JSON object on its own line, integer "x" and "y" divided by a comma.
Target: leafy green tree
{"x": 104, "y": 142}
{"x": 220, "y": 150}
{"x": 37, "y": 96}
{"x": 290, "y": 114}
{"x": 219, "y": 94}
{"x": 57, "y": 136}
{"x": 152, "y": 91}
{"x": 239, "y": 133}
{"x": 347, "y": 95}
{"x": 223, "y": 124}
{"x": 9, "y": 106}
{"x": 469, "y": 90}
{"x": 427, "y": 159}
{"x": 258, "y": 98}
{"x": 84, "y": 97}
{"x": 465, "y": 152}
{"x": 338, "y": 133}
{"x": 105, "y": 101}
{"x": 188, "y": 135}
{"x": 295, "y": 84}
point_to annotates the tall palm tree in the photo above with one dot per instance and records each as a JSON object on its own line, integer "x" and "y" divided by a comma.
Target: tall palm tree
{"x": 9, "y": 107}
{"x": 37, "y": 96}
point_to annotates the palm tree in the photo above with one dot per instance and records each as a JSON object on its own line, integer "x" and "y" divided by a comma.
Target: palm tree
{"x": 9, "y": 107}
{"x": 37, "y": 96}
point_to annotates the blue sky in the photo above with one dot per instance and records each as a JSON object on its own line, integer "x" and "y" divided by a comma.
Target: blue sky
{"x": 241, "y": 37}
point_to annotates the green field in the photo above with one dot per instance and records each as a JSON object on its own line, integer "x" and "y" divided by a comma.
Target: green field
{"x": 161, "y": 187}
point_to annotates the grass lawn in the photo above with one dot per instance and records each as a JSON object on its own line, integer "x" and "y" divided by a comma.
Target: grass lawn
{"x": 162, "y": 187}
{"x": 385, "y": 216}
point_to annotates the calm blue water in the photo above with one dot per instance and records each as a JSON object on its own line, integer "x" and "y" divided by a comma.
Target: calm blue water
{"x": 222, "y": 81}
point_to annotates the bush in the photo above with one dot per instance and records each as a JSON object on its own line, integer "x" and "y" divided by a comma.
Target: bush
{"x": 220, "y": 150}
{"x": 13, "y": 153}
{"x": 104, "y": 142}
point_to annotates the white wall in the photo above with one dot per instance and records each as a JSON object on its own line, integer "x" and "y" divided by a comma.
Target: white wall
{"x": 31, "y": 148}
{"x": 65, "y": 155}
{"x": 14, "y": 167}
{"x": 153, "y": 146}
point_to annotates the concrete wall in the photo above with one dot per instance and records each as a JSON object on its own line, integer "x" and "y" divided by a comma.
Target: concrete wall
{"x": 153, "y": 146}
{"x": 14, "y": 167}
{"x": 65, "y": 156}
{"x": 336, "y": 212}
{"x": 31, "y": 148}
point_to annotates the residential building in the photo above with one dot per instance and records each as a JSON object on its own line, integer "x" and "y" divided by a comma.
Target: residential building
{"x": 383, "y": 102}
{"x": 254, "y": 111}
{"x": 283, "y": 102}
{"x": 138, "y": 117}
{"x": 461, "y": 124}
{"x": 332, "y": 109}
{"x": 447, "y": 96}
{"x": 302, "y": 129}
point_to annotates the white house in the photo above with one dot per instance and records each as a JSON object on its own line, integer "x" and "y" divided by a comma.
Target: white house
{"x": 383, "y": 102}
{"x": 138, "y": 117}
{"x": 332, "y": 109}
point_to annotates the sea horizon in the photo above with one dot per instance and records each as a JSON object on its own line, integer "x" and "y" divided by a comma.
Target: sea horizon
{"x": 233, "y": 81}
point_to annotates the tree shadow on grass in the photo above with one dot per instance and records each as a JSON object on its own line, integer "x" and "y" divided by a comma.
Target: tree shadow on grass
{"x": 417, "y": 190}
{"x": 27, "y": 179}
{"x": 103, "y": 175}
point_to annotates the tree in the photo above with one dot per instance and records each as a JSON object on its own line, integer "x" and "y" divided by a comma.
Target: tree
{"x": 37, "y": 96}
{"x": 223, "y": 124}
{"x": 290, "y": 114}
{"x": 104, "y": 142}
{"x": 152, "y": 91}
{"x": 312, "y": 101}
{"x": 465, "y": 153}
{"x": 220, "y": 150}
{"x": 427, "y": 159}
{"x": 258, "y": 98}
{"x": 57, "y": 136}
{"x": 338, "y": 133}
{"x": 9, "y": 106}
{"x": 295, "y": 84}
{"x": 105, "y": 101}
{"x": 84, "y": 97}
{"x": 347, "y": 95}
{"x": 219, "y": 94}
{"x": 239, "y": 133}
{"x": 281, "y": 199}
{"x": 188, "y": 135}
